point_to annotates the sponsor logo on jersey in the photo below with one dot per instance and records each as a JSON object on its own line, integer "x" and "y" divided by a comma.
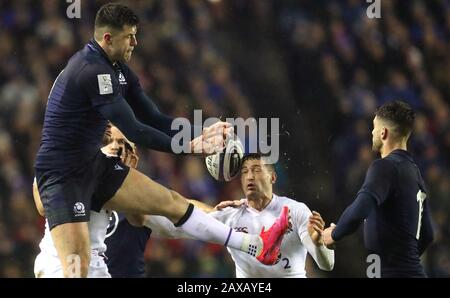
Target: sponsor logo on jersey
{"x": 104, "y": 84}
{"x": 241, "y": 229}
{"x": 122, "y": 80}
{"x": 117, "y": 167}
{"x": 78, "y": 209}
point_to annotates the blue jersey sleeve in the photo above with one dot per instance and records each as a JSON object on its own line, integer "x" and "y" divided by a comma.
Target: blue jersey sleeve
{"x": 100, "y": 84}
{"x": 122, "y": 116}
{"x": 147, "y": 111}
{"x": 354, "y": 215}
{"x": 379, "y": 179}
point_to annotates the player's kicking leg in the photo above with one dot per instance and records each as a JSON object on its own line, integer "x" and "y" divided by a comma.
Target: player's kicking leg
{"x": 140, "y": 194}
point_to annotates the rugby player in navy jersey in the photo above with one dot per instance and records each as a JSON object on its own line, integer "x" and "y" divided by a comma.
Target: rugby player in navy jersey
{"x": 393, "y": 201}
{"x": 72, "y": 174}
{"x": 126, "y": 237}
{"x": 117, "y": 240}
{"x": 126, "y": 247}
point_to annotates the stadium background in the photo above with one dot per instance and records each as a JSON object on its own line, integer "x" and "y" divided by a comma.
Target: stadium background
{"x": 322, "y": 67}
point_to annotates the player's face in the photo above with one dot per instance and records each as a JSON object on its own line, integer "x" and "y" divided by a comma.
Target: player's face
{"x": 256, "y": 179}
{"x": 377, "y": 144}
{"x": 123, "y": 43}
{"x": 117, "y": 141}
{"x": 107, "y": 136}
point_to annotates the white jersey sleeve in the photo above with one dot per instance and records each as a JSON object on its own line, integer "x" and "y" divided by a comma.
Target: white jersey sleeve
{"x": 323, "y": 256}
{"x": 299, "y": 216}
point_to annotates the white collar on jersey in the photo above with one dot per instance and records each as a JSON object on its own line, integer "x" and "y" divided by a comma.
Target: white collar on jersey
{"x": 256, "y": 211}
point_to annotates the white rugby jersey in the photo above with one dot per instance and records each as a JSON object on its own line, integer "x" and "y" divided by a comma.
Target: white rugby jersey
{"x": 249, "y": 220}
{"x": 47, "y": 263}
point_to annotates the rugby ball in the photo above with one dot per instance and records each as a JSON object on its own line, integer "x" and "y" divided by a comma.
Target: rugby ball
{"x": 225, "y": 166}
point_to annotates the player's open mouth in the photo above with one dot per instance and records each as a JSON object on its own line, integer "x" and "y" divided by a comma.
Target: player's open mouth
{"x": 251, "y": 186}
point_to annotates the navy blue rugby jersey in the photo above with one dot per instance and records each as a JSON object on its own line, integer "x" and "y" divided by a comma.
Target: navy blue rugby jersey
{"x": 73, "y": 128}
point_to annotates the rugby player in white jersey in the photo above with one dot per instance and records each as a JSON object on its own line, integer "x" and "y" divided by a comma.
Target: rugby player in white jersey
{"x": 260, "y": 208}
{"x": 47, "y": 263}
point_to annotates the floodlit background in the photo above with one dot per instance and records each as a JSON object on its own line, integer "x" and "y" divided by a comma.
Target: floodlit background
{"x": 322, "y": 67}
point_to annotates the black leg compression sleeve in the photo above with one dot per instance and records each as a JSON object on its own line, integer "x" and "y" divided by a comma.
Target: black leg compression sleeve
{"x": 186, "y": 216}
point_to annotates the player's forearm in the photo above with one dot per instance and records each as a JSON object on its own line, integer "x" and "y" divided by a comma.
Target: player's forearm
{"x": 323, "y": 256}
{"x": 354, "y": 215}
{"x": 121, "y": 115}
{"x": 152, "y": 116}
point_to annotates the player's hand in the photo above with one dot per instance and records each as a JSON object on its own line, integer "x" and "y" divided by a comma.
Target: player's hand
{"x": 326, "y": 235}
{"x": 315, "y": 228}
{"x": 225, "y": 204}
{"x": 130, "y": 157}
{"x": 213, "y": 139}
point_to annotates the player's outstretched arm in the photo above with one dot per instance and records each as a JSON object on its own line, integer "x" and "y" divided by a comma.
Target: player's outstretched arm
{"x": 207, "y": 140}
{"x": 152, "y": 116}
{"x": 314, "y": 244}
{"x": 122, "y": 116}
{"x": 155, "y": 118}
{"x": 374, "y": 191}
{"x": 352, "y": 217}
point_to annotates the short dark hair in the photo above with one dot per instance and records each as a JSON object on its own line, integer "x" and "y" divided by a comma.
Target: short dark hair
{"x": 399, "y": 114}
{"x": 115, "y": 15}
{"x": 257, "y": 156}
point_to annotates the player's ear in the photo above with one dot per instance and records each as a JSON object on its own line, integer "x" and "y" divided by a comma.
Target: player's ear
{"x": 107, "y": 37}
{"x": 273, "y": 179}
{"x": 384, "y": 133}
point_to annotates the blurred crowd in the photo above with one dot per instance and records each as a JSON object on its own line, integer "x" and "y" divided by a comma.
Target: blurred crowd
{"x": 340, "y": 65}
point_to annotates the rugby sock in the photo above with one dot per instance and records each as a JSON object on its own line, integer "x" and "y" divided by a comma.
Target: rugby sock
{"x": 204, "y": 227}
